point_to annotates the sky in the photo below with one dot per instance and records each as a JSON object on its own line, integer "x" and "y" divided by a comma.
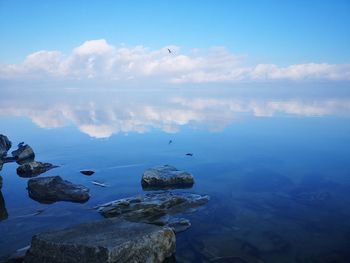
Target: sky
{"x": 212, "y": 41}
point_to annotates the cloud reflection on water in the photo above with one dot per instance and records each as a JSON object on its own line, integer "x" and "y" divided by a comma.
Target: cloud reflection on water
{"x": 104, "y": 114}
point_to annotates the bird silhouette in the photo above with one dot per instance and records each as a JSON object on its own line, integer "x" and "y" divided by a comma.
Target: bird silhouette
{"x": 169, "y": 51}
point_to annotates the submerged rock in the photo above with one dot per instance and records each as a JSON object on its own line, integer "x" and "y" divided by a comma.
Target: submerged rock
{"x": 5, "y": 145}
{"x": 53, "y": 188}
{"x": 166, "y": 176}
{"x": 315, "y": 198}
{"x": 87, "y": 172}
{"x": 34, "y": 168}
{"x": 109, "y": 240}
{"x": 155, "y": 208}
{"x": 24, "y": 154}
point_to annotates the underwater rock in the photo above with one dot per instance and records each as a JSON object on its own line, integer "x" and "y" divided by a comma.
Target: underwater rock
{"x": 310, "y": 198}
{"x": 109, "y": 240}
{"x": 24, "y": 154}
{"x": 5, "y": 145}
{"x": 53, "y": 188}
{"x": 34, "y": 168}
{"x": 166, "y": 176}
{"x": 155, "y": 208}
{"x": 178, "y": 224}
{"x": 87, "y": 172}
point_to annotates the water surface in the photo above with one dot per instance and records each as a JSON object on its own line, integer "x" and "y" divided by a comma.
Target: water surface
{"x": 274, "y": 161}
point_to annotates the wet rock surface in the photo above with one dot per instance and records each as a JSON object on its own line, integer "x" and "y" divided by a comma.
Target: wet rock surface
{"x": 155, "y": 208}
{"x": 53, "y": 188}
{"x": 34, "y": 168}
{"x": 24, "y": 154}
{"x": 166, "y": 177}
{"x": 109, "y": 240}
{"x": 5, "y": 145}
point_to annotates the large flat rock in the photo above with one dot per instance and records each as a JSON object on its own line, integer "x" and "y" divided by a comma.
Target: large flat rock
{"x": 109, "y": 240}
{"x": 155, "y": 208}
{"x": 166, "y": 177}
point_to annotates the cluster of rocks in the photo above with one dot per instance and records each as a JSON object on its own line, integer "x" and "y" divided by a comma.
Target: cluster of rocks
{"x": 42, "y": 189}
{"x": 135, "y": 229}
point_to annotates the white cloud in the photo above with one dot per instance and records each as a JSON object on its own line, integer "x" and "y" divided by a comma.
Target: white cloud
{"x": 96, "y": 59}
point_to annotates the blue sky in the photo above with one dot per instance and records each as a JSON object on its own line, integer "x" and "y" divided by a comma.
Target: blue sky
{"x": 282, "y": 32}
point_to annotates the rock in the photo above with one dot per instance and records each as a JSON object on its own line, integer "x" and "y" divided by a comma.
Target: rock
{"x": 34, "y": 168}
{"x": 155, "y": 208}
{"x": 0, "y": 182}
{"x": 109, "y": 240}
{"x": 87, "y": 172}
{"x": 24, "y": 154}
{"x": 178, "y": 224}
{"x": 165, "y": 177}
{"x": 3, "y": 211}
{"x": 5, "y": 145}
{"x": 53, "y": 188}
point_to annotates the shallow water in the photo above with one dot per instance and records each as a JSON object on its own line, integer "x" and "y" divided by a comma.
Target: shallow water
{"x": 274, "y": 161}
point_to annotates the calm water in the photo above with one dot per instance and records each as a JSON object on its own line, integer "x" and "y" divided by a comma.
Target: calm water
{"x": 276, "y": 163}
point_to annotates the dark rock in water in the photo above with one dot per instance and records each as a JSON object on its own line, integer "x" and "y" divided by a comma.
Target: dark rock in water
{"x": 165, "y": 177}
{"x": 3, "y": 211}
{"x": 87, "y": 172}
{"x": 53, "y": 188}
{"x": 109, "y": 240}
{"x": 155, "y": 208}
{"x": 24, "y": 154}
{"x": 34, "y": 168}
{"x": 5, "y": 145}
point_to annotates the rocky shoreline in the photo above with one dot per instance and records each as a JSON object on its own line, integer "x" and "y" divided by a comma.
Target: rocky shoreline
{"x": 135, "y": 229}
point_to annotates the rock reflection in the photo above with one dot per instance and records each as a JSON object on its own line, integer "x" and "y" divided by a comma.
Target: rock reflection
{"x": 3, "y": 211}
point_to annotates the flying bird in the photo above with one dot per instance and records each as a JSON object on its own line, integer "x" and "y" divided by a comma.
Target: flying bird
{"x": 169, "y": 51}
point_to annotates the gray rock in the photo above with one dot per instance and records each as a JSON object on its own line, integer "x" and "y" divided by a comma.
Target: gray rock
{"x": 34, "y": 168}
{"x": 109, "y": 240}
{"x": 165, "y": 177}
{"x": 24, "y": 154}
{"x": 155, "y": 208}
{"x": 53, "y": 188}
{"x": 5, "y": 145}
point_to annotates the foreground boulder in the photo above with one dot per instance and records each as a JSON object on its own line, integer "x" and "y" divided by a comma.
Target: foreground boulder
{"x": 24, "y": 154}
{"x": 5, "y": 145}
{"x": 53, "y": 188}
{"x": 165, "y": 177}
{"x": 109, "y": 240}
{"x": 155, "y": 208}
{"x": 34, "y": 168}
